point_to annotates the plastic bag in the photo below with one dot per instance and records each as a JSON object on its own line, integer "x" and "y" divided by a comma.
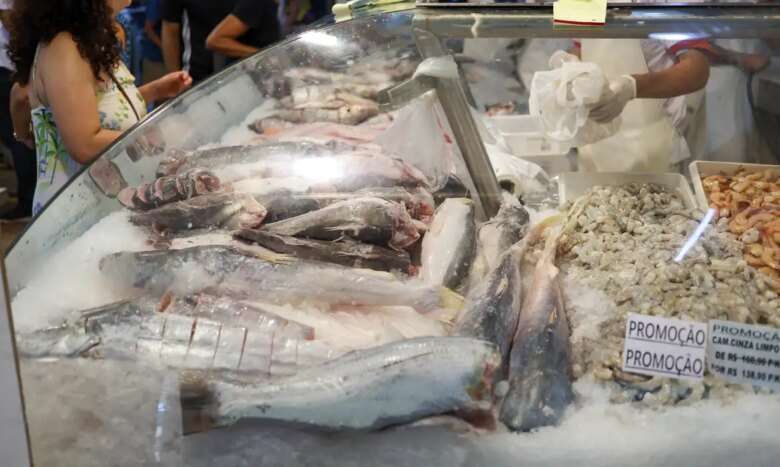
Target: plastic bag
{"x": 421, "y": 136}
{"x": 561, "y": 98}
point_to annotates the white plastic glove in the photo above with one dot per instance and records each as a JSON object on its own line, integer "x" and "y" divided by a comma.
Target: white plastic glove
{"x": 614, "y": 99}
{"x": 559, "y": 57}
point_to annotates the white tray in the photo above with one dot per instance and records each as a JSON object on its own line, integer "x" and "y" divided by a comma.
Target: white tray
{"x": 572, "y": 185}
{"x": 699, "y": 169}
{"x": 523, "y": 134}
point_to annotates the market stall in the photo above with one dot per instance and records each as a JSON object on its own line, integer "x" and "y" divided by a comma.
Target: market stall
{"x": 372, "y": 244}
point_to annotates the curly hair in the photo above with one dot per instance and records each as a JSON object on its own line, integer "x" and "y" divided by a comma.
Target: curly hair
{"x": 89, "y": 22}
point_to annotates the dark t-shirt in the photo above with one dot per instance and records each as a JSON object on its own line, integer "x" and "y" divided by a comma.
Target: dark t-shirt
{"x": 204, "y": 16}
{"x": 260, "y": 16}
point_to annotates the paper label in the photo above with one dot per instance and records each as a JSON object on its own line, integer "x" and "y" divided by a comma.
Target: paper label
{"x": 664, "y": 347}
{"x": 744, "y": 353}
{"x": 580, "y": 12}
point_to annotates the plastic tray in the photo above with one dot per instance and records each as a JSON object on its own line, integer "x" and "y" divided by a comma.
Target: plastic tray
{"x": 699, "y": 169}
{"x": 523, "y": 134}
{"x": 572, "y": 185}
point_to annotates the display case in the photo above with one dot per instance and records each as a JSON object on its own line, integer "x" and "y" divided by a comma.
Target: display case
{"x": 426, "y": 236}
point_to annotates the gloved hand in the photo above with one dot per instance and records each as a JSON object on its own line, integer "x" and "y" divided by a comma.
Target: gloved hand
{"x": 614, "y": 99}
{"x": 559, "y": 57}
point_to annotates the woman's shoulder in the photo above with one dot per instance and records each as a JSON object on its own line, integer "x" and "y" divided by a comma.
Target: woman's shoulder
{"x": 62, "y": 43}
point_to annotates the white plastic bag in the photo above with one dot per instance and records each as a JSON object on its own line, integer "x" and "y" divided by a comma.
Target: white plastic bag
{"x": 561, "y": 98}
{"x": 421, "y": 136}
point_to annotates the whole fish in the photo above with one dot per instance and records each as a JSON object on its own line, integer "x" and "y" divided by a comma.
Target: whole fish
{"x": 371, "y": 220}
{"x": 448, "y": 247}
{"x": 344, "y": 171}
{"x": 169, "y": 189}
{"x": 179, "y": 162}
{"x": 540, "y": 380}
{"x": 417, "y": 201}
{"x": 492, "y": 307}
{"x": 496, "y": 236}
{"x": 226, "y": 271}
{"x": 228, "y": 210}
{"x": 193, "y": 332}
{"x": 347, "y": 114}
{"x": 345, "y": 252}
{"x": 371, "y": 389}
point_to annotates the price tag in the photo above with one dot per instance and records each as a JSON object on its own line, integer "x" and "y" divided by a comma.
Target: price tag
{"x": 580, "y": 12}
{"x": 665, "y": 347}
{"x": 744, "y": 354}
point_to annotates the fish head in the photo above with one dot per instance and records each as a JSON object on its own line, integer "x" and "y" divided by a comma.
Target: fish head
{"x": 140, "y": 270}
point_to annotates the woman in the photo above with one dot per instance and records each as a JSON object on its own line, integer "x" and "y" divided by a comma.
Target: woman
{"x": 67, "y": 54}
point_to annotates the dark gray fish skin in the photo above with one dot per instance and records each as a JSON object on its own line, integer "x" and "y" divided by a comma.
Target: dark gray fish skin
{"x": 229, "y": 210}
{"x": 180, "y": 162}
{"x": 371, "y": 220}
{"x": 227, "y": 271}
{"x": 540, "y": 381}
{"x": 497, "y": 236}
{"x": 453, "y": 188}
{"x": 371, "y": 389}
{"x": 283, "y": 205}
{"x": 345, "y": 252}
{"x": 492, "y": 309}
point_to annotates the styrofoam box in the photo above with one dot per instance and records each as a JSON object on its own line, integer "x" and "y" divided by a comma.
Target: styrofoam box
{"x": 523, "y": 134}
{"x": 572, "y": 185}
{"x": 699, "y": 169}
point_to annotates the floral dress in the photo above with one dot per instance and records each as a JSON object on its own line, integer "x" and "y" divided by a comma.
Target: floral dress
{"x": 55, "y": 166}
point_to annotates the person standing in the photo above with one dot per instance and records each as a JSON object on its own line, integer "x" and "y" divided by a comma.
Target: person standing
{"x": 23, "y": 156}
{"x": 152, "y": 66}
{"x": 252, "y": 25}
{"x": 67, "y": 53}
{"x": 202, "y": 17}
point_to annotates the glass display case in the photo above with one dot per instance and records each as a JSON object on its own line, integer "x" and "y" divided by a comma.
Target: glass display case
{"x": 427, "y": 236}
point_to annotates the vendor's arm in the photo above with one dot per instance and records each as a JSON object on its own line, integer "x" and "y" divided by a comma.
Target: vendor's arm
{"x": 688, "y": 75}
{"x": 70, "y": 93}
{"x": 224, "y": 38}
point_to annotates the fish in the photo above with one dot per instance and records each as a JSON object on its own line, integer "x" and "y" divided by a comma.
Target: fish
{"x": 223, "y": 270}
{"x": 369, "y": 389}
{"x": 540, "y": 379}
{"x": 325, "y": 97}
{"x": 228, "y": 210}
{"x": 497, "y": 236}
{"x": 196, "y": 332}
{"x": 346, "y": 114}
{"x": 179, "y": 162}
{"x": 448, "y": 247}
{"x": 492, "y": 308}
{"x": 345, "y": 252}
{"x": 169, "y": 189}
{"x": 343, "y": 171}
{"x": 418, "y": 201}
{"x": 55, "y": 342}
{"x": 371, "y": 220}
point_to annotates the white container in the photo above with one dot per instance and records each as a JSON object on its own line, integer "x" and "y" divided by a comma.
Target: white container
{"x": 523, "y": 134}
{"x": 699, "y": 169}
{"x": 572, "y": 185}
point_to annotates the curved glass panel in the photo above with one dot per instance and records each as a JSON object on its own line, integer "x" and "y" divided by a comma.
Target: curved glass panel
{"x": 434, "y": 237}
